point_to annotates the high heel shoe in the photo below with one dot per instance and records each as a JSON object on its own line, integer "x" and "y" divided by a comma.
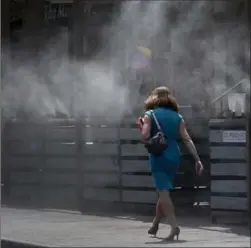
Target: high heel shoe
{"x": 174, "y": 232}
{"x": 154, "y": 229}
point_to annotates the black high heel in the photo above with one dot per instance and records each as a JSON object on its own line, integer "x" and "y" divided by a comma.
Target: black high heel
{"x": 174, "y": 232}
{"x": 154, "y": 229}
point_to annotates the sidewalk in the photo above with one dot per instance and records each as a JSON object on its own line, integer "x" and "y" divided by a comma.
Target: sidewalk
{"x": 72, "y": 229}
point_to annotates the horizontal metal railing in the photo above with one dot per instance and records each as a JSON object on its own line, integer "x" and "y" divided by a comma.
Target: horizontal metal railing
{"x": 222, "y": 99}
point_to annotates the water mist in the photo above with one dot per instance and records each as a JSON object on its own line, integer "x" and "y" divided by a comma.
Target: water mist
{"x": 203, "y": 60}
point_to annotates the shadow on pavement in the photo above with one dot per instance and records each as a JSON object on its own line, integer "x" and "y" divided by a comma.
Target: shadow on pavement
{"x": 193, "y": 218}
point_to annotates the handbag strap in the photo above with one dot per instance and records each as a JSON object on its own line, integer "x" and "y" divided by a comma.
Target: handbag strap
{"x": 156, "y": 121}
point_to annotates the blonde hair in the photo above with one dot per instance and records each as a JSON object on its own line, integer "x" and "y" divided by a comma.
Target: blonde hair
{"x": 161, "y": 97}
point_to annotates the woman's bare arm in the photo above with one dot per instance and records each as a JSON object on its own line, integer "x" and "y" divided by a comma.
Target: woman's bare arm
{"x": 188, "y": 141}
{"x": 146, "y": 128}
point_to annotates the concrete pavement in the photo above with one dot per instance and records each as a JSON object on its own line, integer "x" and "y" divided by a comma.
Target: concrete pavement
{"x": 73, "y": 229}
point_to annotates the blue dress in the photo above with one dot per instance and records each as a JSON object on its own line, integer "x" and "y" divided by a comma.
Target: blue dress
{"x": 165, "y": 166}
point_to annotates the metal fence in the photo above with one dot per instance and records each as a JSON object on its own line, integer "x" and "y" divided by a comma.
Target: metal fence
{"x": 68, "y": 163}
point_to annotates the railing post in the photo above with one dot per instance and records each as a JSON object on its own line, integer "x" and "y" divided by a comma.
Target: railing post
{"x": 221, "y": 106}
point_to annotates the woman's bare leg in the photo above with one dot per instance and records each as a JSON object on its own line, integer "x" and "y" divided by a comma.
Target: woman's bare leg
{"x": 158, "y": 214}
{"x": 168, "y": 208}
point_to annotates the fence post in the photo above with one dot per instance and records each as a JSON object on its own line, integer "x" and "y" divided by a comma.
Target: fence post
{"x": 79, "y": 134}
{"x": 248, "y": 5}
{"x": 249, "y": 164}
{"x": 44, "y": 127}
{"x": 6, "y": 166}
{"x": 119, "y": 161}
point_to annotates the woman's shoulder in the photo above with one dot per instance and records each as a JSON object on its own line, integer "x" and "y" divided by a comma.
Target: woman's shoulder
{"x": 148, "y": 112}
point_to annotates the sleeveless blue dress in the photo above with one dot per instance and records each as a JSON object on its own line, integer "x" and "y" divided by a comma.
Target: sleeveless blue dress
{"x": 165, "y": 166}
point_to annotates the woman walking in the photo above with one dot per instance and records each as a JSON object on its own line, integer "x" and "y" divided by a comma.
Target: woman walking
{"x": 164, "y": 107}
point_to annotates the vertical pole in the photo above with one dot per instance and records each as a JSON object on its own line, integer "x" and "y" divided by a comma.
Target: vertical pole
{"x": 77, "y": 29}
{"x": 119, "y": 163}
{"x": 6, "y": 165}
{"x": 80, "y": 15}
{"x": 5, "y": 34}
{"x": 248, "y": 14}
{"x": 249, "y": 164}
{"x": 5, "y": 24}
{"x": 33, "y": 25}
{"x": 42, "y": 189}
{"x": 79, "y": 163}
{"x": 71, "y": 31}
{"x": 5, "y": 48}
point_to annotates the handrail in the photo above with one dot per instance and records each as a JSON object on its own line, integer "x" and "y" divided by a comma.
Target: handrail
{"x": 227, "y": 91}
